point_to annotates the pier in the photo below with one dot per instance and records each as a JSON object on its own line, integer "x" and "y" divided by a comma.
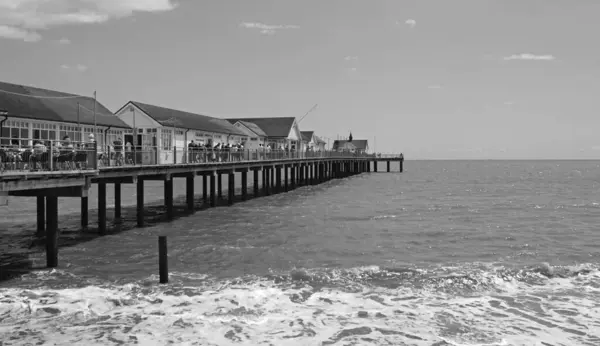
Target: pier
{"x": 282, "y": 171}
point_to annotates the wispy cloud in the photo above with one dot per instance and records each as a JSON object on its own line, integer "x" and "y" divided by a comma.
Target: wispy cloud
{"x": 411, "y": 23}
{"x": 24, "y": 19}
{"x": 528, "y": 56}
{"x": 78, "y": 67}
{"x": 434, "y": 86}
{"x": 64, "y": 41}
{"x": 351, "y": 58}
{"x": 15, "y": 33}
{"x": 267, "y": 29}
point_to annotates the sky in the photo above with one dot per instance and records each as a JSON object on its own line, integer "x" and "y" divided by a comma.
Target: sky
{"x": 461, "y": 79}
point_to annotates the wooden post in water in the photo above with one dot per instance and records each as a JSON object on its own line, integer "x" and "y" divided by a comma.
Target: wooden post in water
{"x": 117, "y": 201}
{"x": 388, "y": 166}
{"x": 255, "y": 182}
{"x": 272, "y": 175}
{"x": 219, "y": 185}
{"x": 51, "y": 231}
{"x": 375, "y": 162}
{"x": 213, "y": 197}
{"x": 189, "y": 192}
{"x": 292, "y": 176}
{"x": 244, "y": 185}
{"x": 41, "y": 215}
{"x": 84, "y": 213}
{"x": 231, "y": 188}
{"x": 163, "y": 260}
{"x": 102, "y": 208}
{"x": 266, "y": 173}
{"x": 140, "y": 202}
{"x": 401, "y": 164}
{"x": 205, "y": 188}
{"x": 285, "y": 178}
{"x": 168, "y": 185}
{"x": 278, "y": 179}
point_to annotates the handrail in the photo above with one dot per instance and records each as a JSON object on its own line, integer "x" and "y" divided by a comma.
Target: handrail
{"x": 26, "y": 154}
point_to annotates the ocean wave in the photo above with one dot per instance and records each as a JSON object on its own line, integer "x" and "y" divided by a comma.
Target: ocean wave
{"x": 476, "y": 304}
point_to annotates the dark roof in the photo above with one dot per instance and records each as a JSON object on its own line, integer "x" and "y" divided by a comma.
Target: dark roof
{"x": 254, "y": 128}
{"x": 187, "y": 120}
{"x": 360, "y": 144}
{"x": 273, "y": 127}
{"x": 51, "y": 105}
{"x": 307, "y": 135}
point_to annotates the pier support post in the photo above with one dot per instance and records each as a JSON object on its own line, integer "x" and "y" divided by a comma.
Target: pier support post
{"x": 84, "y": 213}
{"x": 285, "y": 178}
{"x": 168, "y": 187}
{"x": 388, "y": 166}
{"x": 204, "y": 189}
{"x": 189, "y": 192}
{"x": 278, "y": 179}
{"x": 41, "y": 215}
{"x": 117, "y": 201}
{"x": 213, "y": 197}
{"x": 266, "y": 173}
{"x": 255, "y": 182}
{"x": 272, "y": 175}
{"x": 51, "y": 231}
{"x": 230, "y": 188}
{"x": 401, "y": 165}
{"x": 102, "y": 208}
{"x": 140, "y": 202}
{"x": 292, "y": 176}
{"x": 263, "y": 175}
{"x": 244, "y": 185}
{"x": 375, "y": 166}
{"x": 368, "y": 165}
{"x": 163, "y": 262}
{"x": 219, "y": 185}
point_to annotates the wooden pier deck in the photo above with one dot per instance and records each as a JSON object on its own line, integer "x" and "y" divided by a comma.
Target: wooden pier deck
{"x": 278, "y": 175}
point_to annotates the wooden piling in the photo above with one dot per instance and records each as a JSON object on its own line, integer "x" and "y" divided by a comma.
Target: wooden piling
{"x": 388, "y": 166}
{"x": 292, "y": 176}
{"x": 117, "y": 201}
{"x": 278, "y": 179}
{"x": 266, "y": 173}
{"x": 102, "y": 208}
{"x": 285, "y": 178}
{"x": 140, "y": 202}
{"x": 401, "y": 164}
{"x": 41, "y": 215}
{"x": 244, "y": 185}
{"x": 230, "y": 188}
{"x": 204, "y": 189}
{"x": 168, "y": 187}
{"x": 189, "y": 192}
{"x": 84, "y": 213}
{"x": 213, "y": 197}
{"x": 375, "y": 166}
{"x": 51, "y": 231}
{"x": 255, "y": 182}
{"x": 163, "y": 260}
{"x": 219, "y": 185}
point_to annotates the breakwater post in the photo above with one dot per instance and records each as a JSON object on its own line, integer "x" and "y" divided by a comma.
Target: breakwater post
{"x": 163, "y": 264}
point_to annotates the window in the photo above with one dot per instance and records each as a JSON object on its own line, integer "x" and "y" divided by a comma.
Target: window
{"x": 179, "y": 133}
{"x": 74, "y": 132}
{"x": 15, "y": 132}
{"x": 44, "y": 131}
{"x": 166, "y": 137}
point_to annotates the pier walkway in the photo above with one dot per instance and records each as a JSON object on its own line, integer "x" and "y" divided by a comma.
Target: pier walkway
{"x": 71, "y": 175}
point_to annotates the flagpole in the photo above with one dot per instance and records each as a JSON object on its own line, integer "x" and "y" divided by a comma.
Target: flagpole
{"x": 95, "y": 124}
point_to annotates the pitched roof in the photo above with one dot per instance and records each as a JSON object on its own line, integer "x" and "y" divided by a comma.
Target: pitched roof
{"x": 254, "y": 128}
{"x": 187, "y": 120}
{"x": 360, "y": 144}
{"x": 49, "y": 105}
{"x": 273, "y": 127}
{"x": 319, "y": 140}
{"x": 307, "y": 135}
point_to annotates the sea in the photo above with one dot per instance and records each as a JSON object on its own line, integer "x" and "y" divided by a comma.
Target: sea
{"x": 446, "y": 253}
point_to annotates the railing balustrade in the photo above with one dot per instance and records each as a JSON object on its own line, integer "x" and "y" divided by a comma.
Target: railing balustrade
{"x": 52, "y": 155}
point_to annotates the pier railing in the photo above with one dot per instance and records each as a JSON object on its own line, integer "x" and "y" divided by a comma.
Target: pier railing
{"x": 20, "y": 155}
{"x": 25, "y": 155}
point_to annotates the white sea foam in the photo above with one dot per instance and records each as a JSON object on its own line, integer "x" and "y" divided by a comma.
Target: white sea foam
{"x": 562, "y": 311}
